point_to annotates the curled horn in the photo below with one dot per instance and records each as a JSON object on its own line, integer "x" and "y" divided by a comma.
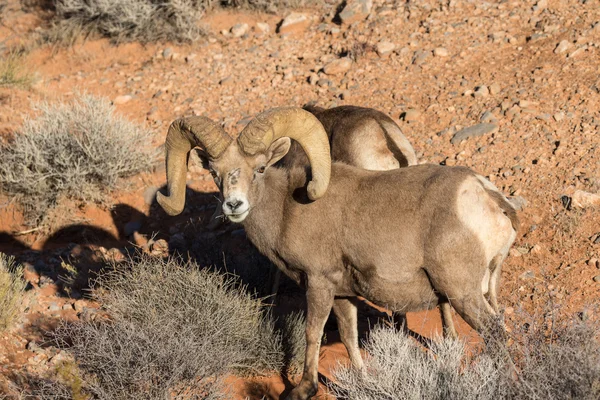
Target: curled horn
{"x": 296, "y": 124}
{"x": 183, "y": 135}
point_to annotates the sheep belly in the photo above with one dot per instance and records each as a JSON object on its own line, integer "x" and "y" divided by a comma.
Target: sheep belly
{"x": 407, "y": 293}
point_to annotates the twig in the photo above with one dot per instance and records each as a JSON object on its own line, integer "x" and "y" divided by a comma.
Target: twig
{"x": 27, "y": 231}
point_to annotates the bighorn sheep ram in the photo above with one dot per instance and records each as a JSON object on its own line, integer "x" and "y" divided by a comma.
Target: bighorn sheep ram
{"x": 406, "y": 239}
{"x": 358, "y": 136}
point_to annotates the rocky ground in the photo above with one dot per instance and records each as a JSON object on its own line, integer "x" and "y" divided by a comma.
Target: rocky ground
{"x": 508, "y": 88}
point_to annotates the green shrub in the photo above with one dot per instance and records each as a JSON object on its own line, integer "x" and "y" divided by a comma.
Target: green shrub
{"x": 78, "y": 150}
{"x": 12, "y": 70}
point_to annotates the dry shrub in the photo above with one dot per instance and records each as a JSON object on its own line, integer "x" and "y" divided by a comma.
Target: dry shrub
{"x": 561, "y": 362}
{"x": 175, "y": 330}
{"x": 79, "y": 150}
{"x": 12, "y": 70}
{"x": 140, "y": 20}
{"x": 293, "y": 335}
{"x": 11, "y": 291}
{"x": 399, "y": 369}
{"x": 271, "y": 6}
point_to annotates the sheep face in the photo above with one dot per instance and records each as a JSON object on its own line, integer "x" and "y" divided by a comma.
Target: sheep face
{"x": 241, "y": 178}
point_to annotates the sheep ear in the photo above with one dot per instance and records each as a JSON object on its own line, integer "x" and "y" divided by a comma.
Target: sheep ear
{"x": 278, "y": 149}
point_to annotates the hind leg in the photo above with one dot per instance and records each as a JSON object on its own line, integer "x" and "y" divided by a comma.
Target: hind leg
{"x": 496, "y": 268}
{"x": 447, "y": 320}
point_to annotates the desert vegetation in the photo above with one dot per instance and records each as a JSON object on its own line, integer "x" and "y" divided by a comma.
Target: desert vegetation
{"x": 12, "y": 287}
{"x": 78, "y": 150}
{"x": 560, "y": 360}
{"x": 13, "y": 72}
{"x": 170, "y": 329}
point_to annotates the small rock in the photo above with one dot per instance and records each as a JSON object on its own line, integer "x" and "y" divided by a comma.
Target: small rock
{"x": 488, "y": 116}
{"x": 511, "y": 112}
{"x": 494, "y": 89}
{"x": 150, "y": 194}
{"x": 563, "y": 46}
{"x": 559, "y": 116}
{"x": 67, "y": 307}
{"x": 518, "y": 202}
{"x": 263, "y": 27}
{"x": 355, "y": 10}
{"x": 294, "y": 23}
{"x": 167, "y": 52}
{"x": 581, "y": 199}
{"x": 509, "y": 311}
{"x": 411, "y": 115}
{"x": 339, "y": 66}
{"x": 527, "y": 104}
{"x": 122, "y": 99}
{"x": 385, "y": 48}
{"x": 473, "y": 131}
{"x": 536, "y": 249}
{"x": 527, "y": 275}
{"x": 160, "y": 247}
{"x": 54, "y": 307}
{"x": 440, "y": 52}
{"x": 420, "y": 57}
{"x": 79, "y": 305}
{"x": 239, "y": 30}
{"x": 481, "y": 91}
{"x": 596, "y": 278}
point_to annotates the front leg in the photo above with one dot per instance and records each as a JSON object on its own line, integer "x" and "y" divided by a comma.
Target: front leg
{"x": 319, "y": 298}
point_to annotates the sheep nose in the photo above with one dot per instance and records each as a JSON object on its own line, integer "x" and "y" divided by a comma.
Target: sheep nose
{"x": 234, "y": 204}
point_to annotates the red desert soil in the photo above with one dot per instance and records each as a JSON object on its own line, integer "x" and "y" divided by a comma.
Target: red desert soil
{"x": 532, "y": 71}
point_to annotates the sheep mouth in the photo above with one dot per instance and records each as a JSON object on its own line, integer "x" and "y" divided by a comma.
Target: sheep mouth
{"x": 238, "y": 217}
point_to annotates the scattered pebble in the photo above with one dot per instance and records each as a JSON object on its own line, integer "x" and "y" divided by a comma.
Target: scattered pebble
{"x": 294, "y": 23}
{"x": 339, "y": 66}
{"x": 122, "y": 99}
{"x": 239, "y": 30}
{"x": 494, "y": 89}
{"x": 411, "y": 115}
{"x": 355, "y": 10}
{"x": 440, "y": 52}
{"x": 563, "y": 46}
{"x": 581, "y": 199}
{"x": 385, "y": 48}
{"x": 473, "y": 131}
{"x": 481, "y": 91}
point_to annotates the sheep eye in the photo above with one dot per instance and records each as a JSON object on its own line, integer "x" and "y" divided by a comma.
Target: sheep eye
{"x": 261, "y": 169}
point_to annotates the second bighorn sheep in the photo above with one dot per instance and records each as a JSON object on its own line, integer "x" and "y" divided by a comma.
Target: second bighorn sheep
{"x": 406, "y": 239}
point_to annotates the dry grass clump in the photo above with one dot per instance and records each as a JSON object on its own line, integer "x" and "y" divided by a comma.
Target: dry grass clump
{"x": 293, "y": 336}
{"x": 397, "y": 368}
{"x": 78, "y": 150}
{"x": 148, "y": 20}
{"x": 175, "y": 331}
{"x": 132, "y": 20}
{"x": 560, "y": 362}
{"x": 13, "y": 72}
{"x": 11, "y": 291}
